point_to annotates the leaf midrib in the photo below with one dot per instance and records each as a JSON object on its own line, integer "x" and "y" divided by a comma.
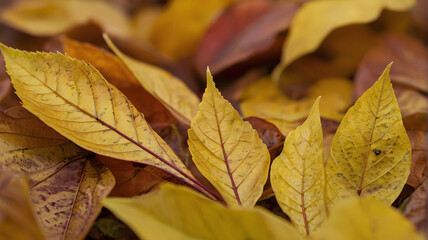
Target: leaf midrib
{"x": 225, "y": 158}
{"x": 370, "y": 140}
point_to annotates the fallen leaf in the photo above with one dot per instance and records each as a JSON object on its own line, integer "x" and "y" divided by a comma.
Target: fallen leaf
{"x": 370, "y": 154}
{"x": 50, "y": 17}
{"x": 412, "y": 102}
{"x": 274, "y": 106}
{"x": 247, "y": 28}
{"x": 227, "y": 150}
{"x": 366, "y": 218}
{"x": 181, "y": 25}
{"x": 269, "y": 134}
{"x": 132, "y": 181}
{"x": 418, "y": 140}
{"x": 73, "y": 98}
{"x": 65, "y": 185}
{"x": 175, "y": 212}
{"x": 410, "y": 64}
{"x": 170, "y": 91}
{"x": 297, "y": 174}
{"x": 142, "y": 22}
{"x": 117, "y": 73}
{"x": 16, "y": 210}
{"x": 416, "y": 209}
{"x": 306, "y": 36}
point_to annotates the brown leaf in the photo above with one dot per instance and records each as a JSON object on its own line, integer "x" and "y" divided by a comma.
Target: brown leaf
{"x": 410, "y": 64}
{"x": 116, "y": 72}
{"x": 248, "y": 28}
{"x": 16, "y": 211}
{"x": 66, "y": 187}
{"x": 131, "y": 180}
{"x": 416, "y": 209}
{"x": 269, "y": 134}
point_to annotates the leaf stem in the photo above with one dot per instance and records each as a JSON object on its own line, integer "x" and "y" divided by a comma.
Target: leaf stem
{"x": 198, "y": 185}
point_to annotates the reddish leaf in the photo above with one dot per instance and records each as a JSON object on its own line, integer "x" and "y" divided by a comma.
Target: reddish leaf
{"x": 410, "y": 64}
{"x": 246, "y": 29}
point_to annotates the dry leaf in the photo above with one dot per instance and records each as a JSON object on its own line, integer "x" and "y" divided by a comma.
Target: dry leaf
{"x": 50, "y": 17}
{"x": 248, "y": 28}
{"x": 305, "y": 36}
{"x": 73, "y": 98}
{"x": 370, "y": 154}
{"x": 181, "y": 25}
{"x": 366, "y": 219}
{"x": 227, "y": 150}
{"x": 410, "y": 64}
{"x": 16, "y": 211}
{"x": 66, "y": 187}
{"x": 416, "y": 209}
{"x": 117, "y": 73}
{"x": 132, "y": 181}
{"x": 175, "y": 212}
{"x": 264, "y": 99}
{"x": 297, "y": 174}
{"x": 170, "y": 91}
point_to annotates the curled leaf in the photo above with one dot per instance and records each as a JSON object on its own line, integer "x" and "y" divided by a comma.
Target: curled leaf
{"x": 227, "y": 150}
{"x": 370, "y": 154}
{"x": 297, "y": 174}
{"x": 305, "y": 36}
{"x": 176, "y": 212}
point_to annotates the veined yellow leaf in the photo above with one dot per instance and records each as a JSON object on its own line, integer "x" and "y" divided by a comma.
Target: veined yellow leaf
{"x": 297, "y": 174}
{"x": 169, "y": 90}
{"x": 181, "y": 25}
{"x": 227, "y": 150}
{"x": 366, "y": 219}
{"x": 307, "y": 34}
{"x": 51, "y": 17}
{"x": 66, "y": 186}
{"x": 370, "y": 154}
{"x": 176, "y": 212}
{"x": 17, "y": 218}
{"x": 74, "y": 99}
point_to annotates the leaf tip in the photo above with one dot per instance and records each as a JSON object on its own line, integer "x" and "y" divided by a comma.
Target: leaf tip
{"x": 210, "y": 81}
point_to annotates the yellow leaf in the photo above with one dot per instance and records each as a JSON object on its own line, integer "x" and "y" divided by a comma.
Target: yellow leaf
{"x": 227, "y": 150}
{"x": 176, "y": 212}
{"x": 51, "y": 17}
{"x": 366, "y": 219}
{"x": 74, "y": 99}
{"x": 66, "y": 187}
{"x": 264, "y": 99}
{"x": 297, "y": 174}
{"x": 306, "y": 34}
{"x": 169, "y": 90}
{"x": 179, "y": 28}
{"x": 370, "y": 154}
{"x": 17, "y": 221}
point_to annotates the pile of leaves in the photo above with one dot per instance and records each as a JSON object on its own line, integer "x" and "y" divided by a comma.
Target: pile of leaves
{"x": 112, "y": 126}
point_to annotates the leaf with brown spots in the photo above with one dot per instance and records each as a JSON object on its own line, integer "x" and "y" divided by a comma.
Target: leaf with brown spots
{"x": 16, "y": 210}
{"x": 227, "y": 150}
{"x": 73, "y": 98}
{"x": 66, "y": 187}
{"x": 370, "y": 154}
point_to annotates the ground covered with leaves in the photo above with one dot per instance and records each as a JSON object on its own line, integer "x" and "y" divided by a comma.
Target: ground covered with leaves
{"x": 214, "y": 119}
